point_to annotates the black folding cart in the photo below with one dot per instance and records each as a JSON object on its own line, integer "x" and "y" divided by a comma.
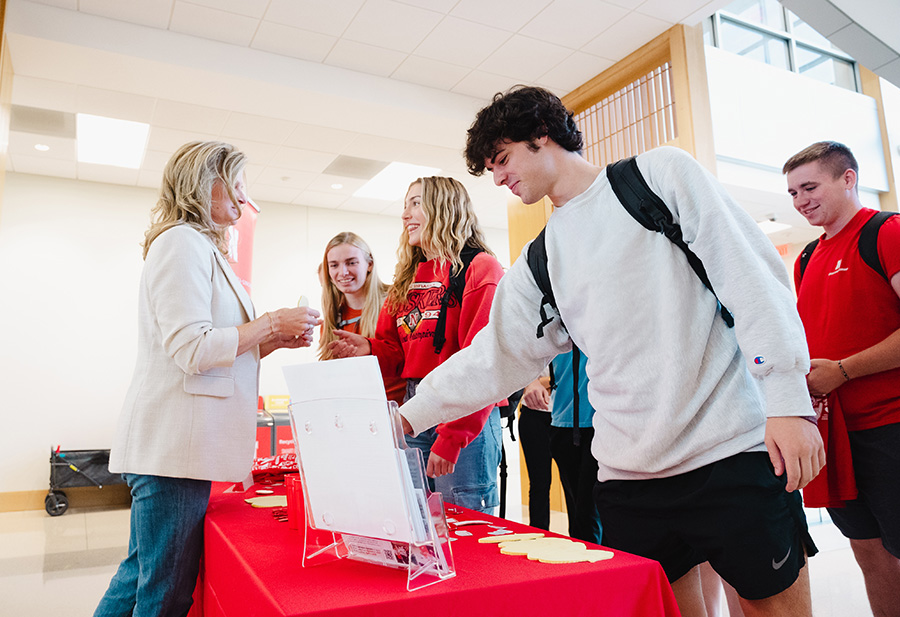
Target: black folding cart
{"x": 75, "y": 468}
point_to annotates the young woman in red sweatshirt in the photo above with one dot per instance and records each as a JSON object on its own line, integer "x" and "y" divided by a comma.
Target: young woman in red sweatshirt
{"x": 439, "y": 224}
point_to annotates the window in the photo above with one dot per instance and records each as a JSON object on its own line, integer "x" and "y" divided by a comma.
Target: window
{"x": 765, "y": 31}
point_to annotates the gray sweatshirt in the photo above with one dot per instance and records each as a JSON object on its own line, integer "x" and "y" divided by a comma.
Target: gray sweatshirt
{"x": 673, "y": 387}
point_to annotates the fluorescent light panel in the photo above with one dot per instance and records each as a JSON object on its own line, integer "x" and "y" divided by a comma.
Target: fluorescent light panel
{"x": 393, "y": 181}
{"x": 108, "y": 141}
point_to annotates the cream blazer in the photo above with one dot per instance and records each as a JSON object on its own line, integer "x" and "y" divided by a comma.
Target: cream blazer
{"x": 190, "y": 411}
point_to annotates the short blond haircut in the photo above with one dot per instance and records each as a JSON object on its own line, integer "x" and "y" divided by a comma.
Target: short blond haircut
{"x": 185, "y": 196}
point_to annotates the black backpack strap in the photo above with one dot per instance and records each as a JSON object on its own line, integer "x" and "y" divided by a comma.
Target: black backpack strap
{"x": 868, "y": 242}
{"x": 649, "y": 210}
{"x": 805, "y": 255}
{"x": 454, "y": 290}
{"x": 576, "y": 365}
{"x": 537, "y": 263}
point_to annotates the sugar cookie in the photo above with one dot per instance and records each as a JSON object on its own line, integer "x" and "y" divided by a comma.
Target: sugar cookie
{"x": 510, "y": 537}
{"x": 268, "y": 501}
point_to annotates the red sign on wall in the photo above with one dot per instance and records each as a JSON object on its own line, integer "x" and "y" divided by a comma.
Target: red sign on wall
{"x": 240, "y": 244}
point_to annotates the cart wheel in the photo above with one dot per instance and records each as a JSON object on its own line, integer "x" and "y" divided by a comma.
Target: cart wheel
{"x": 56, "y": 503}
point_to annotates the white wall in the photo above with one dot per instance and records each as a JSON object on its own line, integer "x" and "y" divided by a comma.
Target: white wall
{"x": 70, "y": 262}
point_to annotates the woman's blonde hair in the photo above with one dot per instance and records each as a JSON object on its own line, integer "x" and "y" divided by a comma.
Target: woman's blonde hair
{"x": 450, "y": 225}
{"x": 185, "y": 196}
{"x": 333, "y": 298}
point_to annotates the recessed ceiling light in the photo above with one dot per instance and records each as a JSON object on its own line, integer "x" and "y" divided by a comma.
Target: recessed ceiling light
{"x": 392, "y": 182}
{"x": 41, "y": 147}
{"x": 337, "y": 186}
{"x": 108, "y": 141}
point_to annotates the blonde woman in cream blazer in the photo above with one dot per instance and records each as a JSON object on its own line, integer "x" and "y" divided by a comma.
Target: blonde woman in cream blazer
{"x": 189, "y": 416}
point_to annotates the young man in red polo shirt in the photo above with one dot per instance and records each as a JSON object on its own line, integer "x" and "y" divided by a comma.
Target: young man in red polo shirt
{"x": 851, "y": 315}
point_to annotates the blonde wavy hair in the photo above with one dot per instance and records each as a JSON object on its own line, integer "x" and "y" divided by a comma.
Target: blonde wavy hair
{"x": 185, "y": 196}
{"x": 333, "y": 298}
{"x": 450, "y": 226}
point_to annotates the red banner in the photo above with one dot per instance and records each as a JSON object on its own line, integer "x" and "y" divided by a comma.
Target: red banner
{"x": 240, "y": 245}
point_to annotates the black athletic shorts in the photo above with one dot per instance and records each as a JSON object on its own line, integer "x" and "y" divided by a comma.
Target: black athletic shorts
{"x": 875, "y": 513}
{"x": 733, "y": 513}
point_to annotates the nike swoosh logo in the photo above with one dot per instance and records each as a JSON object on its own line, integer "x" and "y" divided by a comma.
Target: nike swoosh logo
{"x": 776, "y": 565}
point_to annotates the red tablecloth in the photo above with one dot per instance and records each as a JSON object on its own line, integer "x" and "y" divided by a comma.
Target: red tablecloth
{"x": 252, "y": 567}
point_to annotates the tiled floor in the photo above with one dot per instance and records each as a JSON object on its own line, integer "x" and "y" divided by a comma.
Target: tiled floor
{"x": 55, "y": 566}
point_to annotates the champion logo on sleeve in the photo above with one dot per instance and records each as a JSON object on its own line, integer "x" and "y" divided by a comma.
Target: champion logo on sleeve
{"x": 759, "y": 360}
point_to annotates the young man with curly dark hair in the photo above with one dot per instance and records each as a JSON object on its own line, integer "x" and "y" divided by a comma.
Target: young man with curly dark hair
{"x": 701, "y": 430}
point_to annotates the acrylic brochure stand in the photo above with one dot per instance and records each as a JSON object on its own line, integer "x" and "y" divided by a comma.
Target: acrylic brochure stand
{"x": 365, "y": 493}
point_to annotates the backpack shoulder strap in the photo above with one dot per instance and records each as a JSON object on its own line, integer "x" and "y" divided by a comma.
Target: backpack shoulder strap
{"x": 649, "y": 210}
{"x": 805, "y": 255}
{"x": 455, "y": 289}
{"x": 537, "y": 263}
{"x": 868, "y": 242}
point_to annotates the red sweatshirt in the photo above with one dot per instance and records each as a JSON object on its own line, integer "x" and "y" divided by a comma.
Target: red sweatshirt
{"x": 404, "y": 345}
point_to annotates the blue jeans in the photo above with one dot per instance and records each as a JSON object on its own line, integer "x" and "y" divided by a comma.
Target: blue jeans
{"x": 473, "y": 483}
{"x": 160, "y": 572}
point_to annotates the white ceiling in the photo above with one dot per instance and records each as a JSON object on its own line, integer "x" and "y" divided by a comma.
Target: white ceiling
{"x": 295, "y": 83}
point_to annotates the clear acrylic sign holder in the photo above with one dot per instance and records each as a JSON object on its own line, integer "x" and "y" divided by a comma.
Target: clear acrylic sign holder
{"x": 365, "y": 493}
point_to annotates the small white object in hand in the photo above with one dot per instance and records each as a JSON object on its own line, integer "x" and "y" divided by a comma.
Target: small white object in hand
{"x": 303, "y": 302}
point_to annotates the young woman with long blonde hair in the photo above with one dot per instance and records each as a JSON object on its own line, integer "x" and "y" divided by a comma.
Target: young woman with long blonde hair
{"x": 352, "y": 297}
{"x": 424, "y": 322}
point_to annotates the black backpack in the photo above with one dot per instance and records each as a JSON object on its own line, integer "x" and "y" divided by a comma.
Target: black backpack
{"x": 454, "y": 290}
{"x": 647, "y": 209}
{"x": 868, "y": 245}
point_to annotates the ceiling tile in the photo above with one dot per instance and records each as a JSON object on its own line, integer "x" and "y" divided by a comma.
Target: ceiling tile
{"x": 431, "y": 73}
{"x": 441, "y": 6}
{"x": 704, "y": 11}
{"x": 523, "y": 58}
{"x": 169, "y": 140}
{"x": 283, "y": 194}
{"x": 330, "y": 17}
{"x": 572, "y": 23}
{"x": 319, "y": 199}
{"x": 483, "y": 85}
{"x": 322, "y": 183}
{"x": 365, "y": 58}
{"x": 257, "y": 152}
{"x": 320, "y": 137}
{"x": 114, "y": 104}
{"x": 292, "y": 42}
{"x": 626, "y": 36}
{"x": 379, "y": 148}
{"x": 284, "y": 178}
{"x": 251, "y": 172}
{"x": 23, "y": 143}
{"x": 672, "y": 11}
{"x": 257, "y": 128}
{"x": 154, "y": 160}
{"x": 384, "y": 23}
{"x": 248, "y": 8}
{"x": 573, "y": 72}
{"x": 44, "y": 93}
{"x": 461, "y": 42}
{"x": 301, "y": 160}
{"x": 509, "y": 15}
{"x": 25, "y": 164}
{"x": 153, "y": 13}
{"x": 213, "y": 24}
{"x": 627, "y": 4}
{"x": 187, "y": 117}
{"x": 107, "y": 173}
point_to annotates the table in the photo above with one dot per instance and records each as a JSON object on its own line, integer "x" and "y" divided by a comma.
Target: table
{"x": 252, "y": 568}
